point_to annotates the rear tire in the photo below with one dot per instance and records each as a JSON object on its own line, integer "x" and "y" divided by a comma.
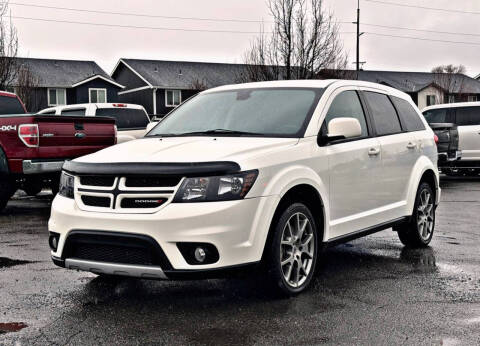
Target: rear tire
{"x": 292, "y": 256}
{"x": 7, "y": 189}
{"x": 418, "y": 232}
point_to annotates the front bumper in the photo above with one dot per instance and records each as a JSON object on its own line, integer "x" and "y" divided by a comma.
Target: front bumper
{"x": 41, "y": 166}
{"x": 238, "y": 229}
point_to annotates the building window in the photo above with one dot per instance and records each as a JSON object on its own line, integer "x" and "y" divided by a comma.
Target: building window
{"x": 451, "y": 98}
{"x": 173, "y": 98}
{"x": 431, "y": 100}
{"x": 57, "y": 97}
{"x": 97, "y": 95}
{"x": 472, "y": 98}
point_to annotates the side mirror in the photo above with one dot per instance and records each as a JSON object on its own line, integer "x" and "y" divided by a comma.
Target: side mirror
{"x": 151, "y": 125}
{"x": 341, "y": 128}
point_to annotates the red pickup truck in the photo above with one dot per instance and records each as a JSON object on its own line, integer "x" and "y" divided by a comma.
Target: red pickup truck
{"x": 33, "y": 148}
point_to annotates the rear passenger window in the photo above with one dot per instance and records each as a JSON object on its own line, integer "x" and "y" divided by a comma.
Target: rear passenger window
{"x": 384, "y": 114}
{"x": 77, "y": 111}
{"x": 10, "y": 105}
{"x": 468, "y": 116}
{"x": 125, "y": 118}
{"x": 434, "y": 116}
{"x": 347, "y": 105}
{"x": 409, "y": 116}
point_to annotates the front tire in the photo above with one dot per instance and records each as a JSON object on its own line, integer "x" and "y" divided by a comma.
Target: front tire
{"x": 293, "y": 254}
{"x": 418, "y": 232}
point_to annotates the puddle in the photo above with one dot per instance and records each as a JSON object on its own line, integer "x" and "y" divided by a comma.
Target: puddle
{"x": 422, "y": 260}
{"x": 474, "y": 320}
{"x": 8, "y": 262}
{"x": 11, "y": 327}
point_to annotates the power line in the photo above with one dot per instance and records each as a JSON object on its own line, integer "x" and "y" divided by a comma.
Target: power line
{"x": 416, "y": 29}
{"x": 133, "y": 14}
{"x": 423, "y": 39}
{"x": 135, "y": 27}
{"x": 421, "y": 7}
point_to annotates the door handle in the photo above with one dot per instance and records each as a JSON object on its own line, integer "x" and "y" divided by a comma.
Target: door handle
{"x": 374, "y": 151}
{"x": 79, "y": 135}
{"x": 411, "y": 145}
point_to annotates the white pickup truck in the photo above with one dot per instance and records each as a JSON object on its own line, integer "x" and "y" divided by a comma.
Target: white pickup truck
{"x": 464, "y": 119}
{"x": 131, "y": 120}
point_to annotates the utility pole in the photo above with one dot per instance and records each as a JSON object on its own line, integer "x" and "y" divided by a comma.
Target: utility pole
{"x": 358, "y": 38}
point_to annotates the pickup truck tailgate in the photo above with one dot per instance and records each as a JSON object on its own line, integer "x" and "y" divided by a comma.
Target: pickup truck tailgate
{"x": 64, "y": 136}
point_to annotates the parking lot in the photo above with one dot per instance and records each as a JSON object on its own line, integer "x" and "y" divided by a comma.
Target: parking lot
{"x": 369, "y": 291}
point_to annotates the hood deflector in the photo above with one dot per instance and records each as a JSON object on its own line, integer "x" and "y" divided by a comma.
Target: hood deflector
{"x": 147, "y": 168}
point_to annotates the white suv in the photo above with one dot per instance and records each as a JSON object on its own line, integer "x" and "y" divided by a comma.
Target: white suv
{"x": 465, "y": 117}
{"x": 132, "y": 120}
{"x": 262, "y": 174}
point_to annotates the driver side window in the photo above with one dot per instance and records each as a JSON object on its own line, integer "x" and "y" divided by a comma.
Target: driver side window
{"x": 346, "y": 105}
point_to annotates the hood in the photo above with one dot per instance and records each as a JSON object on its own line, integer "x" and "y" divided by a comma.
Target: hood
{"x": 189, "y": 149}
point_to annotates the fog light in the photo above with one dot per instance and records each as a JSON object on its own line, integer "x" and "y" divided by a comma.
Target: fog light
{"x": 200, "y": 254}
{"x": 53, "y": 240}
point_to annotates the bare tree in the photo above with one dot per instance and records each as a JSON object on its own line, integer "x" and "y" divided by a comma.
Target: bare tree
{"x": 26, "y": 85}
{"x": 8, "y": 49}
{"x": 198, "y": 84}
{"x": 450, "y": 78}
{"x": 303, "y": 43}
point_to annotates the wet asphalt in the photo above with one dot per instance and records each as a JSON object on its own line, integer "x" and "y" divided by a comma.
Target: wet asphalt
{"x": 371, "y": 291}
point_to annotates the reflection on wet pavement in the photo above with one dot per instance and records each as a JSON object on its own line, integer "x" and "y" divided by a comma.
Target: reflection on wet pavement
{"x": 370, "y": 291}
{"x": 11, "y": 327}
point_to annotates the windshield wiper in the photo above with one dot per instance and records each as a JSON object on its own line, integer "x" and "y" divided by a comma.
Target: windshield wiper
{"x": 217, "y": 131}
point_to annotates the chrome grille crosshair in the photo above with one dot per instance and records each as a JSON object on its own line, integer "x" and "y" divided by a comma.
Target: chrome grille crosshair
{"x": 125, "y": 194}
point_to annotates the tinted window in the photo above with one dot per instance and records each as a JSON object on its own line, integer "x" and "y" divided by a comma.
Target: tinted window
{"x": 125, "y": 118}
{"x": 264, "y": 112}
{"x": 468, "y": 116}
{"x": 10, "y": 105}
{"x": 408, "y": 115}
{"x": 49, "y": 113}
{"x": 384, "y": 114}
{"x": 436, "y": 115}
{"x": 347, "y": 104}
{"x": 78, "y": 111}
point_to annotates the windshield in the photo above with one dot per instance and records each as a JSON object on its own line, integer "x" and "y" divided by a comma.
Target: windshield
{"x": 436, "y": 115}
{"x": 275, "y": 112}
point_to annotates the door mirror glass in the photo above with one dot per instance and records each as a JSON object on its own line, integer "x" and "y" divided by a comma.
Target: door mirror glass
{"x": 342, "y": 128}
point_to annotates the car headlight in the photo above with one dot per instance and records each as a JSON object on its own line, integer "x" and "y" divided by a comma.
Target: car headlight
{"x": 221, "y": 188}
{"x": 66, "y": 187}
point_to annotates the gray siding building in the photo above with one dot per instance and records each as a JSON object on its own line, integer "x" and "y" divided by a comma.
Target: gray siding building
{"x": 161, "y": 85}
{"x": 61, "y": 82}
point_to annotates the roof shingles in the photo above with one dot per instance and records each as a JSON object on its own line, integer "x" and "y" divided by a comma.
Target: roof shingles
{"x": 61, "y": 73}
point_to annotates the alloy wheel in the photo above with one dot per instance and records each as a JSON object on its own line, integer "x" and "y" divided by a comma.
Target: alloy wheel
{"x": 425, "y": 214}
{"x": 297, "y": 249}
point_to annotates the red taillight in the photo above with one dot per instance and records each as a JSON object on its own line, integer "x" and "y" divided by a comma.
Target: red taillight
{"x": 435, "y": 138}
{"x": 119, "y": 105}
{"x": 29, "y": 135}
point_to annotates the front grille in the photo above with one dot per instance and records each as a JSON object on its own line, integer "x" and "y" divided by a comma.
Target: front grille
{"x": 131, "y": 194}
{"x": 92, "y": 180}
{"x": 113, "y": 247}
{"x": 95, "y": 201}
{"x": 152, "y": 181}
{"x": 142, "y": 202}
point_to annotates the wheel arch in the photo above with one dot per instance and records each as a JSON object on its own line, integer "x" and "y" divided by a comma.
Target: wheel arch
{"x": 424, "y": 171}
{"x": 305, "y": 192}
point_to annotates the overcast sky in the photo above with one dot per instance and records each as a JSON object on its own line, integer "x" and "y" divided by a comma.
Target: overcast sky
{"x": 107, "y": 44}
